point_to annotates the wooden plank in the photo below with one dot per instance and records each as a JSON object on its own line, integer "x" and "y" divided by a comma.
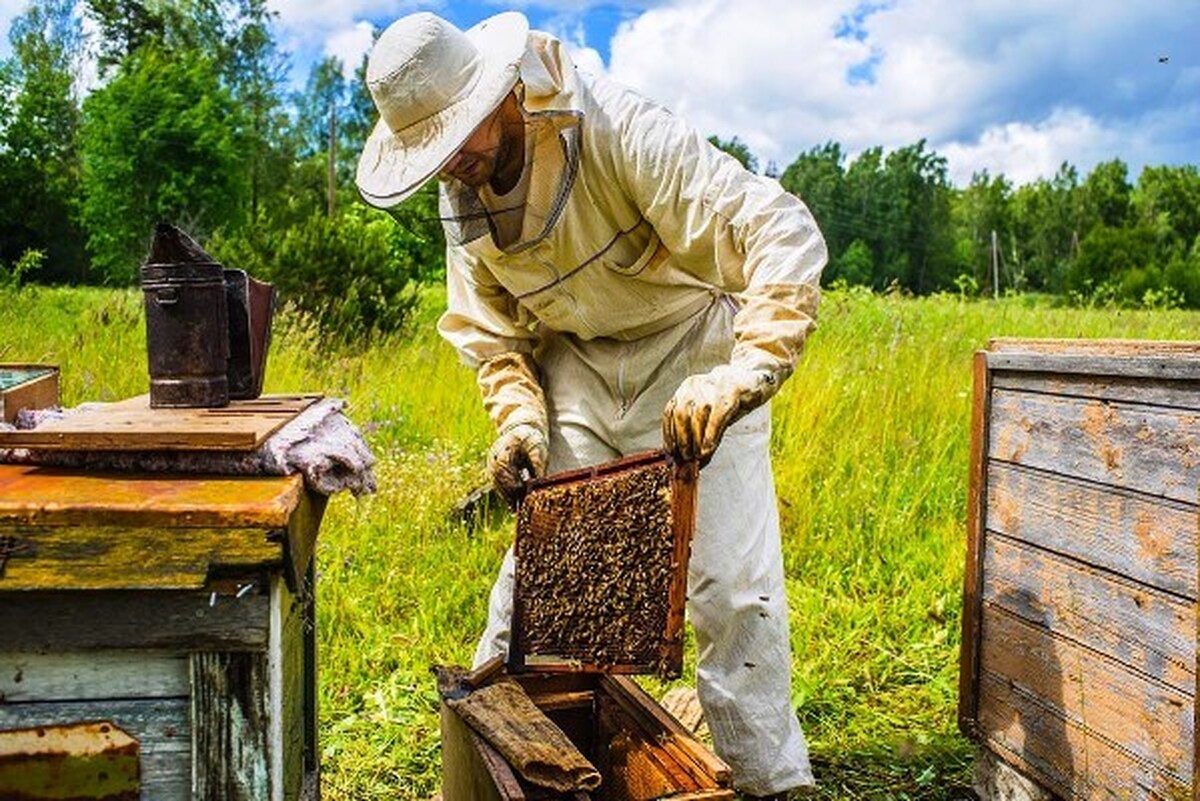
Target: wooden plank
{"x": 1178, "y": 394}
{"x": 116, "y": 620}
{"x": 133, "y": 558}
{"x": 968, "y": 665}
{"x": 133, "y": 426}
{"x": 1061, "y": 755}
{"x": 1151, "y": 367}
{"x": 1144, "y": 448}
{"x": 75, "y": 675}
{"x": 1096, "y": 347}
{"x": 633, "y": 765}
{"x": 1150, "y": 631}
{"x": 1148, "y": 720}
{"x": 658, "y": 725}
{"x": 230, "y": 720}
{"x": 1150, "y": 540}
{"x": 53, "y": 497}
{"x": 292, "y": 706}
{"x": 159, "y": 725}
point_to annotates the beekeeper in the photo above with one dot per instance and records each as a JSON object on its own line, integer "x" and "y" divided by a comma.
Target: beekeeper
{"x": 617, "y": 283}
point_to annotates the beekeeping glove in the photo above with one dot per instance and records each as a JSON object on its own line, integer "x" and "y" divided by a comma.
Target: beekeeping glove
{"x": 514, "y": 400}
{"x": 517, "y": 455}
{"x": 769, "y": 328}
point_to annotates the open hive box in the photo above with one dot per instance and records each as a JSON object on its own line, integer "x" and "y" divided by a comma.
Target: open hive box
{"x": 642, "y": 752}
{"x": 600, "y": 588}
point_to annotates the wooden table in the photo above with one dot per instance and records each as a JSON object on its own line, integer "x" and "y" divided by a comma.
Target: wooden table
{"x": 177, "y": 609}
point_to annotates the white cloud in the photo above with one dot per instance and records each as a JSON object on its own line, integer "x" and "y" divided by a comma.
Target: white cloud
{"x": 1012, "y": 85}
{"x": 349, "y": 45}
{"x": 1025, "y": 151}
{"x": 9, "y": 10}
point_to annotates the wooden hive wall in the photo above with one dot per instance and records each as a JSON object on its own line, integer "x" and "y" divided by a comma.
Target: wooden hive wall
{"x": 1080, "y": 619}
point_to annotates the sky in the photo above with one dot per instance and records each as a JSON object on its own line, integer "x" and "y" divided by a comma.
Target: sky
{"x": 1008, "y": 86}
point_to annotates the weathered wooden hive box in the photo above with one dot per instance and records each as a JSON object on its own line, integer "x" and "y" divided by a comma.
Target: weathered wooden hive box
{"x": 1078, "y": 664}
{"x": 26, "y": 386}
{"x": 156, "y": 636}
{"x": 641, "y": 751}
{"x": 599, "y": 591}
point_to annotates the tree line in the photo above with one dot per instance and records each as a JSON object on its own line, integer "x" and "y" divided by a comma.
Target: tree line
{"x": 191, "y": 121}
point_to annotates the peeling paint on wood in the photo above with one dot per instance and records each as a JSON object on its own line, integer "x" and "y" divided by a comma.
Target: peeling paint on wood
{"x": 134, "y": 558}
{"x": 53, "y": 497}
{"x": 80, "y": 762}
{"x": 1146, "y": 629}
{"x": 1147, "y": 539}
{"x": 159, "y": 725}
{"x": 229, "y": 727}
{"x": 1143, "y": 448}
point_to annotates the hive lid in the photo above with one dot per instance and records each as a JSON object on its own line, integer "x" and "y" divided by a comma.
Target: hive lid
{"x": 601, "y": 568}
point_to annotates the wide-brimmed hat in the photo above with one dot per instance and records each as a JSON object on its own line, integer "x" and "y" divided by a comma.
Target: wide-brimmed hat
{"x": 433, "y": 85}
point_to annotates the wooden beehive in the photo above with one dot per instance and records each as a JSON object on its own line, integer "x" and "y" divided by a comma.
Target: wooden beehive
{"x": 175, "y": 610}
{"x": 26, "y": 386}
{"x": 642, "y": 752}
{"x": 1078, "y": 664}
{"x": 601, "y": 568}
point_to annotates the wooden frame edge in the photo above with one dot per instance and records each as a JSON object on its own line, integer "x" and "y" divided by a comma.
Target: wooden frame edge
{"x": 972, "y": 608}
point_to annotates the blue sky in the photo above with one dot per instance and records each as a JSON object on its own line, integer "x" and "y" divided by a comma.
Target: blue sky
{"x": 1012, "y": 86}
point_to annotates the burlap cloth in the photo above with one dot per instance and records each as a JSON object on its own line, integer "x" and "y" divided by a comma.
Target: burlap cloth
{"x": 503, "y": 715}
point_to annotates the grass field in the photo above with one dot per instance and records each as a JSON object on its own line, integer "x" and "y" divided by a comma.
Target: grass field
{"x": 870, "y": 444}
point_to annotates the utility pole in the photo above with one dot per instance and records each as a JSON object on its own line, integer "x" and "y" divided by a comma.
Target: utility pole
{"x": 995, "y": 266}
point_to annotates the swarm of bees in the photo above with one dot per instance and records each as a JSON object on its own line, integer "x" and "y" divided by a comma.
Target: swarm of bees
{"x": 594, "y": 567}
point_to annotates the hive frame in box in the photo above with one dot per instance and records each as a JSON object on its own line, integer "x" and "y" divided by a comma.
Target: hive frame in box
{"x": 633, "y": 741}
{"x": 1081, "y": 566}
{"x": 683, "y": 516}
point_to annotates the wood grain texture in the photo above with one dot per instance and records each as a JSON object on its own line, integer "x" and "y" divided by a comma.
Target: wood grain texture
{"x": 1149, "y": 720}
{"x": 159, "y": 725}
{"x": 52, "y": 497}
{"x": 968, "y": 665}
{"x": 1149, "y": 449}
{"x": 230, "y": 721}
{"x": 131, "y": 425}
{"x": 1149, "y": 631}
{"x": 1146, "y": 367}
{"x": 133, "y": 558}
{"x": 1064, "y": 757}
{"x": 1095, "y": 347}
{"x": 1150, "y": 540}
{"x": 1176, "y": 394}
{"x": 76, "y": 675}
{"x": 41, "y": 621}
{"x": 39, "y": 392}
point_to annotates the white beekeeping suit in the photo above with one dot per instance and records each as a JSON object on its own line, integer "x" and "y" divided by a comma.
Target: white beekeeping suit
{"x": 649, "y": 272}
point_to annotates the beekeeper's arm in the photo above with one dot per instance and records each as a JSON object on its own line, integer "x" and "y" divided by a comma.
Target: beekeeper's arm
{"x": 744, "y": 234}
{"x": 492, "y": 334}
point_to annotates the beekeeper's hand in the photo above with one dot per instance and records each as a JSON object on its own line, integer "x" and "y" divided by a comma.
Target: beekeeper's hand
{"x": 705, "y": 405}
{"x": 517, "y": 455}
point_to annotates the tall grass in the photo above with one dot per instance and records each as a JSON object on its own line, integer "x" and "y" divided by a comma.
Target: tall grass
{"x": 870, "y": 444}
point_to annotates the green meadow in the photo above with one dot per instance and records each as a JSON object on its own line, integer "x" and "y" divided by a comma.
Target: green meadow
{"x": 870, "y": 441}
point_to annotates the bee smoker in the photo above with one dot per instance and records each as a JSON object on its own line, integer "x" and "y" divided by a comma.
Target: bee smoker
{"x": 207, "y": 328}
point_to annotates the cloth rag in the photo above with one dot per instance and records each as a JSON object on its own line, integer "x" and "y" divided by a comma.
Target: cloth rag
{"x": 320, "y": 443}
